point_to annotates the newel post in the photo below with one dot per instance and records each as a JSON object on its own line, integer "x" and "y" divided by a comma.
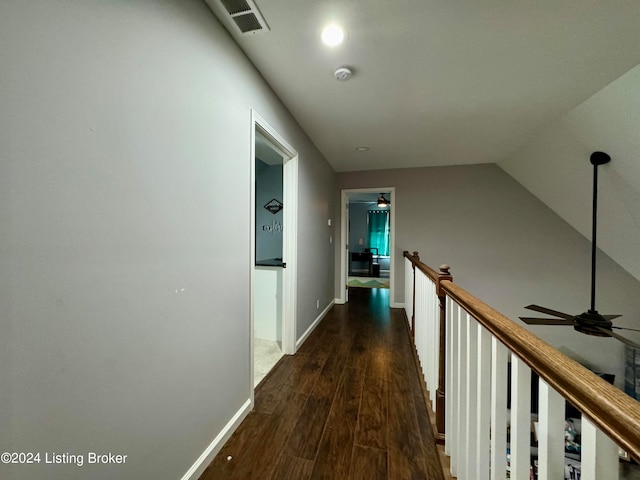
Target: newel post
{"x": 443, "y": 274}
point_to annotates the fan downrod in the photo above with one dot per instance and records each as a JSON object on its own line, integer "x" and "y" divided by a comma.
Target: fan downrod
{"x": 596, "y": 158}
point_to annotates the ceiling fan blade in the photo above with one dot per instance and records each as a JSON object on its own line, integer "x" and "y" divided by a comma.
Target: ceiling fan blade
{"x": 625, "y": 328}
{"x": 611, "y": 317}
{"x": 624, "y": 340}
{"x": 546, "y": 321}
{"x": 548, "y": 311}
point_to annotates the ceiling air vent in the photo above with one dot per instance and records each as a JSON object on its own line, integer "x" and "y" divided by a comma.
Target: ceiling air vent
{"x": 245, "y": 15}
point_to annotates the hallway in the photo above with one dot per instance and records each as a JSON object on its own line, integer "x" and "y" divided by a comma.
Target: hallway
{"x": 348, "y": 405}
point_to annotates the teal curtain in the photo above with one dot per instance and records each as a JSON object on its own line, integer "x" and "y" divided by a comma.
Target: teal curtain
{"x": 379, "y": 231}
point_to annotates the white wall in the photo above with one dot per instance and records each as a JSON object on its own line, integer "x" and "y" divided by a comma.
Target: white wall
{"x": 507, "y": 248}
{"x": 267, "y": 301}
{"x": 555, "y": 167}
{"x": 124, "y": 311}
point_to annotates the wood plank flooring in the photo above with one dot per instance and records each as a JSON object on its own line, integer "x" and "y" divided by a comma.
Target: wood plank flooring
{"x": 347, "y": 406}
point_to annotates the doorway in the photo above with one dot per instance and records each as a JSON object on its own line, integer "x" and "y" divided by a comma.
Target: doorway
{"x": 367, "y": 240}
{"x": 273, "y": 248}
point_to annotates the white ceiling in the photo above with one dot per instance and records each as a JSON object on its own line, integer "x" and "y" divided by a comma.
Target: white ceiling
{"x": 438, "y": 82}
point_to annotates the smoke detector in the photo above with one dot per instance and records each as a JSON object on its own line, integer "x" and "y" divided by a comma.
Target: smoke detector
{"x": 342, "y": 74}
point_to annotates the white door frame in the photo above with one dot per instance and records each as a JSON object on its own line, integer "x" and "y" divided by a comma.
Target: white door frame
{"x": 344, "y": 236}
{"x": 289, "y": 244}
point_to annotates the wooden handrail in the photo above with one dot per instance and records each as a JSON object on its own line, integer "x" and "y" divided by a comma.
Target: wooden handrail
{"x": 615, "y": 413}
{"x": 427, "y": 270}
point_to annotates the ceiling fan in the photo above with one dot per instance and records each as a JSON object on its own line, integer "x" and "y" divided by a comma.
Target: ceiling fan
{"x": 383, "y": 202}
{"x": 590, "y": 322}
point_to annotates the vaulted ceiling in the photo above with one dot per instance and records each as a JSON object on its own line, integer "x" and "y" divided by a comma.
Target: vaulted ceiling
{"x": 437, "y": 82}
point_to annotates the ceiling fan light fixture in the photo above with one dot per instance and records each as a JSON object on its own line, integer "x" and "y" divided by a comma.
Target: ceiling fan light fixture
{"x": 383, "y": 202}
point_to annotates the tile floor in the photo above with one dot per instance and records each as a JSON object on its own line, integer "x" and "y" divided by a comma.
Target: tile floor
{"x": 266, "y": 354}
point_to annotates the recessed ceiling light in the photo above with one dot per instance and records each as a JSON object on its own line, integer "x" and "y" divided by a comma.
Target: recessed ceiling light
{"x": 362, "y": 149}
{"x": 332, "y": 35}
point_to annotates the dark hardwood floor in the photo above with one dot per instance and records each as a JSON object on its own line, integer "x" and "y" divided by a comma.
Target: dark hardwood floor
{"x": 348, "y": 405}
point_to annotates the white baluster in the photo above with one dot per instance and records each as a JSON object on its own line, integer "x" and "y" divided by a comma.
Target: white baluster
{"x": 418, "y": 312}
{"x": 426, "y": 338}
{"x": 428, "y": 351}
{"x": 520, "y": 439}
{"x": 408, "y": 289}
{"x": 472, "y": 396}
{"x": 550, "y": 433}
{"x": 499, "y": 359}
{"x": 599, "y": 454}
{"x": 455, "y": 389}
{"x": 420, "y": 339}
{"x": 483, "y": 403}
{"x": 426, "y": 333}
{"x": 462, "y": 394}
{"x": 435, "y": 342}
{"x": 448, "y": 374}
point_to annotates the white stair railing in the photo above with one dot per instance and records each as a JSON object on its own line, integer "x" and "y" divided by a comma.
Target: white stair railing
{"x": 425, "y": 317}
{"x": 426, "y": 330}
{"x": 479, "y": 344}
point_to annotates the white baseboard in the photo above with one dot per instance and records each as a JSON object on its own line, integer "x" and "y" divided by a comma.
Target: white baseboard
{"x": 339, "y": 301}
{"x": 214, "y": 447}
{"x": 397, "y": 305}
{"x": 314, "y": 325}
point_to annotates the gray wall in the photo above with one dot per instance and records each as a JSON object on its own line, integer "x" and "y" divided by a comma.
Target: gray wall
{"x": 506, "y": 247}
{"x": 269, "y": 239}
{"x": 358, "y": 226}
{"x": 124, "y": 283}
